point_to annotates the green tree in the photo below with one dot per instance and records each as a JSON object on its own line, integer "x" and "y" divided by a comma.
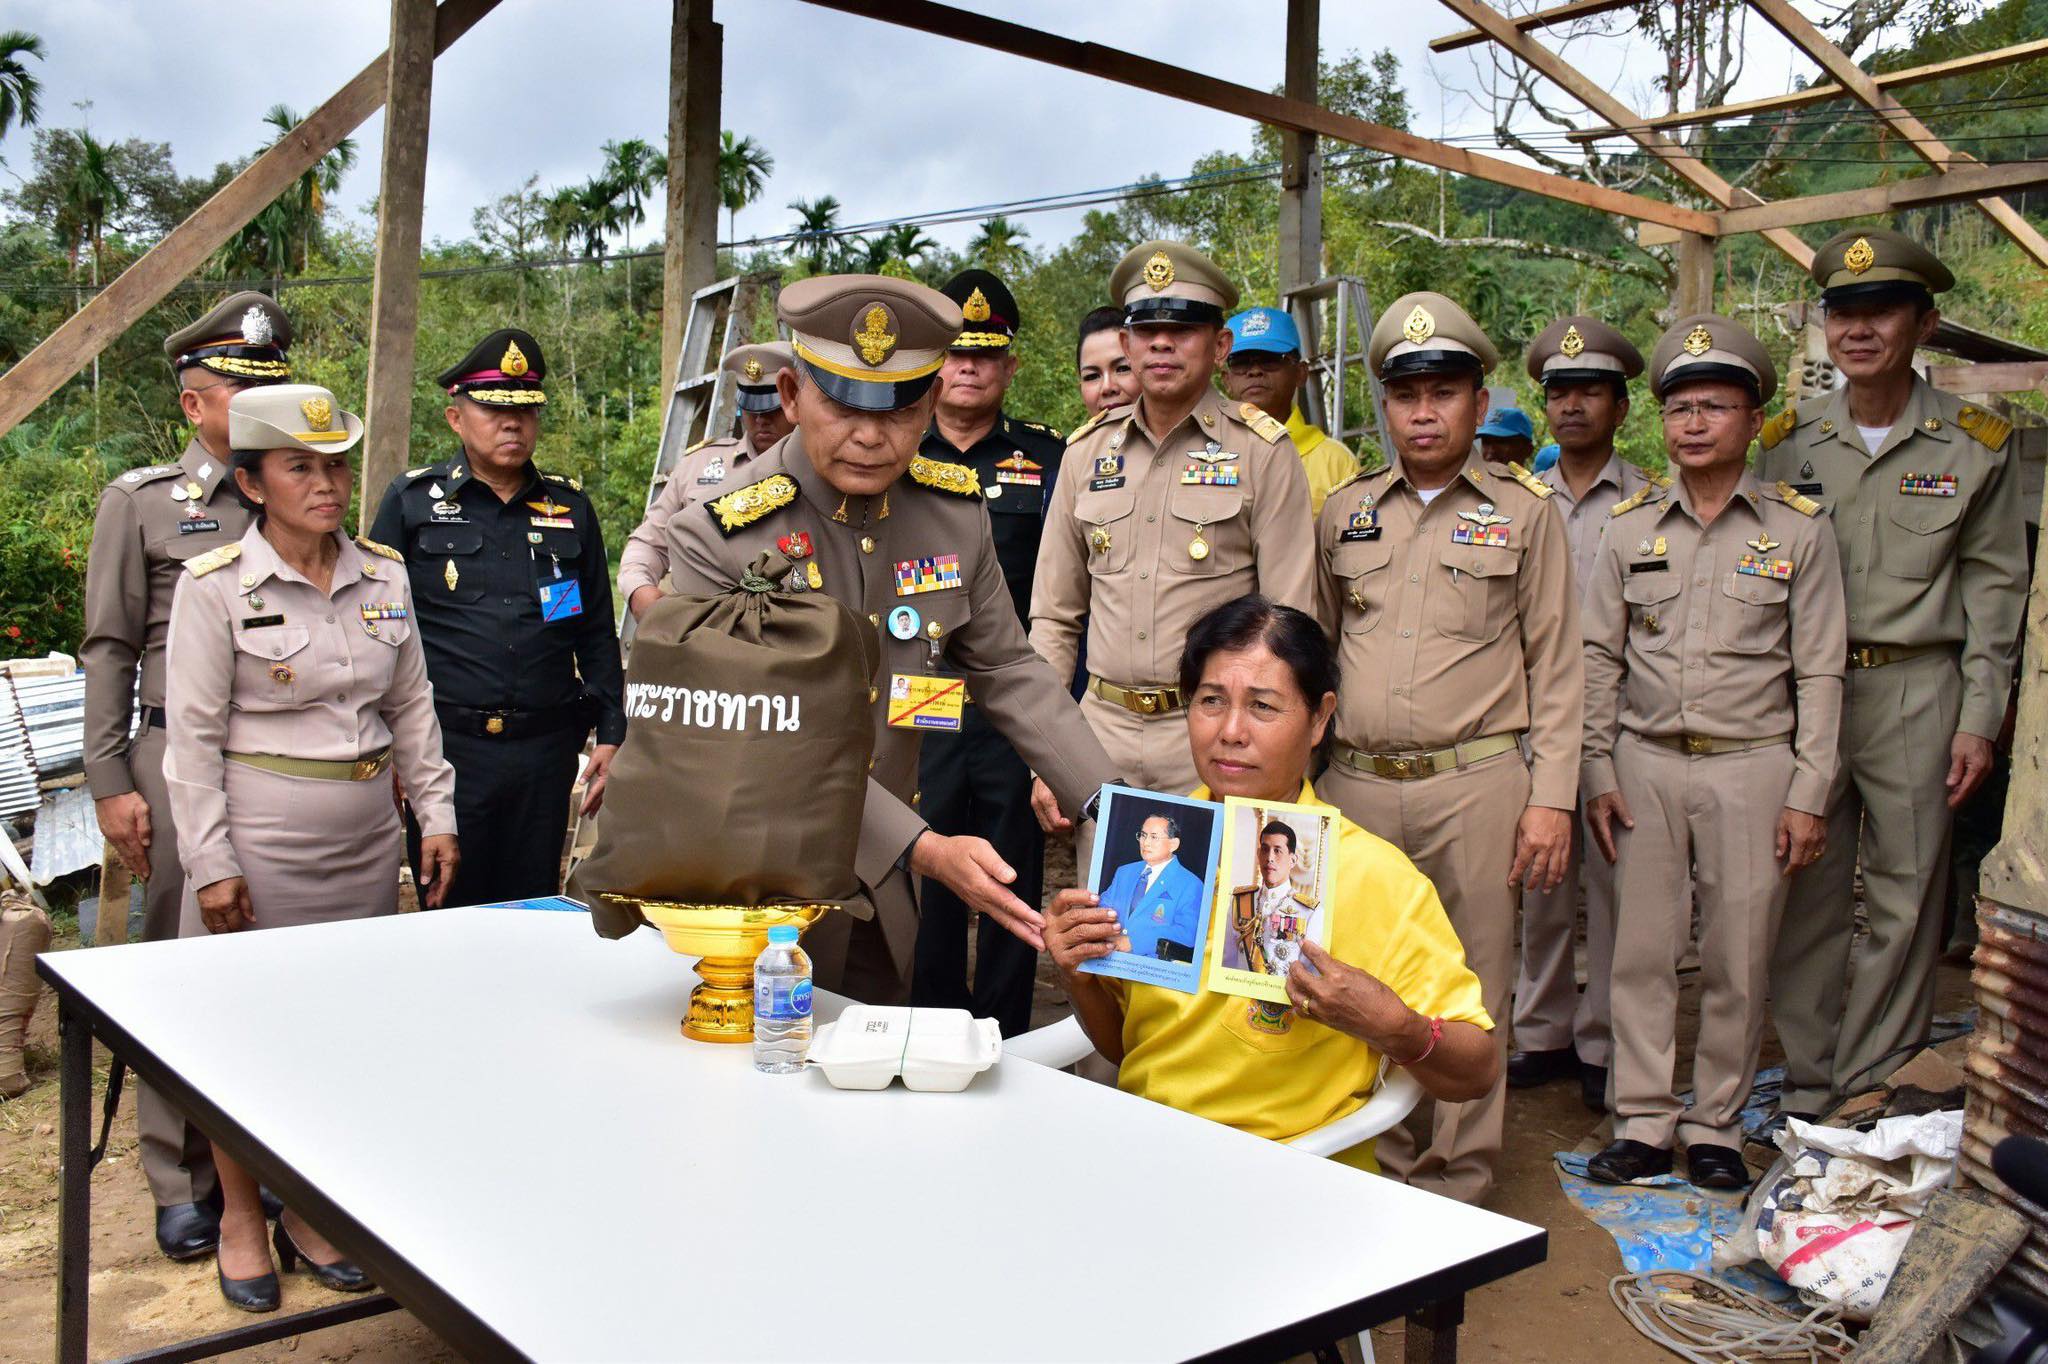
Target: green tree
{"x": 316, "y": 185}
{"x": 633, "y": 168}
{"x": 744, "y": 166}
{"x": 999, "y": 245}
{"x": 817, "y": 226}
{"x": 902, "y": 245}
{"x": 512, "y": 226}
{"x": 20, "y": 90}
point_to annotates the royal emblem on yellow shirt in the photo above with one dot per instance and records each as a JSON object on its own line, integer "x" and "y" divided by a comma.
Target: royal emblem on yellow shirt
{"x": 1419, "y": 327}
{"x": 874, "y": 340}
{"x": 1159, "y": 270}
{"x": 513, "y": 362}
{"x": 975, "y": 309}
{"x": 1265, "y": 1016}
{"x": 1698, "y": 341}
{"x": 1573, "y": 345}
{"x": 1859, "y": 257}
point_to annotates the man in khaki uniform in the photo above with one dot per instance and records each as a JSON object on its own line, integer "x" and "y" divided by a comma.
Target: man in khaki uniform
{"x": 1926, "y": 512}
{"x": 1714, "y": 642}
{"x": 707, "y": 469}
{"x": 1164, "y": 509}
{"x": 1447, "y": 586}
{"x": 1585, "y": 367}
{"x": 150, "y": 522}
{"x": 904, "y": 541}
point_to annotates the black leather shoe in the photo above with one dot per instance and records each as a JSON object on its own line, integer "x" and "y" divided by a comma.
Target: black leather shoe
{"x": 1593, "y": 1087}
{"x": 273, "y": 1206}
{"x": 1527, "y": 1069}
{"x": 187, "y": 1231}
{"x": 1715, "y": 1167}
{"x": 1625, "y": 1161}
{"x": 341, "y": 1276}
{"x": 251, "y": 1295}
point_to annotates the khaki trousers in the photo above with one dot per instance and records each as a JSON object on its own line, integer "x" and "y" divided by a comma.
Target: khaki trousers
{"x": 1897, "y": 723}
{"x": 177, "y": 1159}
{"x": 1458, "y": 828}
{"x": 1149, "y": 753}
{"x": 1551, "y": 1012}
{"x": 1717, "y": 814}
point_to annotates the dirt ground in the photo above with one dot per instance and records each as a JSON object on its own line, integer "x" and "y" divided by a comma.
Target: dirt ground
{"x": 140, "y": 1300}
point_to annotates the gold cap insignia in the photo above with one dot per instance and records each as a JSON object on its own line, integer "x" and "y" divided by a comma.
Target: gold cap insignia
{"x": 1419, "y": 327}
{"x": 1573, "y": 345}
{"x": 514, "y": 361}
{"x": 1698, "y": 341}
{"x": 319, "y": 413}
{"x": 975, "y": 309}
{"x": 752, "y": 369}
{"x": 1860, "y": 256}
{"x": 874, "y": 340}
{"x": 1159, "y": 270}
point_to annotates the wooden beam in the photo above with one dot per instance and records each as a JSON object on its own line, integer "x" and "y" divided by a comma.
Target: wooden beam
{"x": 185, "y": 247}
{"x": 1695, "y": 274}
{"x": 395, "y": 295}
{"x": 1301, "y": 168}
{"x": 1824, "y": 91}
{"x": 690, "y": 245}
{"x": 1596, "y": 97}
{"x": 1964, "y": 182}
{"x": 1176, "y": 82}
{"x": 2023, "y": 376}
{"x": 1896, "y": 116}
{"x": 1529, "y": 23}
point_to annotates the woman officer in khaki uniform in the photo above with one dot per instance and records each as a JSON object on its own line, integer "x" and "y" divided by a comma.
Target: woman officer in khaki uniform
{"x": 294, "y": 682}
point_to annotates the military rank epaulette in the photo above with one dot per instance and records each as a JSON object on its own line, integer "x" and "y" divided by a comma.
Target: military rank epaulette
{"x": 1990, "y": 431}
{"x": 136, "y": 477}
{"x": 1529, "y": 480}
{"x": 1041, "y": 428}
{"x": 1798, "y": 501}
{"x": 698, "y": 446}
{"x": 1261, "y": 421}
{"x": 1779, "y": 427}
{"x": 1305, "y": 900}
{"x": 957, "y": 479}
{"x": 742, "y": 507}
{"x": 376, "y": 548}
{"x": 1085, "y": 427}
{"x": 575, "y": 483}
{"x": 1636, "y": 499}
{"x": 1356, "y": 475}
{"x": 413, "y": 474}
{"x": 1658, "y": 480}
{"x": 199, "y": 565}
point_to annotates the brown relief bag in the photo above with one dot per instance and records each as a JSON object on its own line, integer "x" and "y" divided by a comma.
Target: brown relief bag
{"x": 745, "y": 766}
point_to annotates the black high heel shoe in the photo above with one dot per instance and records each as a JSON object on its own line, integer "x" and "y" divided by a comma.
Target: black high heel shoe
{"x": 251, "y": 1295}
{"x": 341, "y": 1276}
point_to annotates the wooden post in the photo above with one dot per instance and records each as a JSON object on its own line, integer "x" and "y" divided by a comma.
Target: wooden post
{"x": 2016, "y": 873}
{"x": 1301, "y": 163}
{"x": 1695, "y": 274}
{"x": 395, "y": 298}
{"x": 690, "y": 254}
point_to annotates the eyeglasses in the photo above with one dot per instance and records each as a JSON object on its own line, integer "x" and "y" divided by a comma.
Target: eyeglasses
{"x": 1713, "y": 412}
{"x": 1149, "y": 837}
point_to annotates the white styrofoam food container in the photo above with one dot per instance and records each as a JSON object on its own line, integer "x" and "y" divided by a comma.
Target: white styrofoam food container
{"x": 869, "y": 1045}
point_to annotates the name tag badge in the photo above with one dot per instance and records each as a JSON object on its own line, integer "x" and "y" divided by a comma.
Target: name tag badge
{"x": 1652, "y": 566}
{"x": 926, "y": 701}
{"x": 1357, "y": 533}
{"x": 258, "y": 622}
{"x": 561, "y": 600}
{"x": 1809, "y": 489}
{"x": 1103, "y": 485}
{"x": 195, "y": 527}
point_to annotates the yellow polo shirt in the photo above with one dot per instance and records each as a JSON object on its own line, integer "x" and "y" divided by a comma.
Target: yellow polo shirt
{"x": 1263, "y": 1070}
{"x": 1326, "y": 462}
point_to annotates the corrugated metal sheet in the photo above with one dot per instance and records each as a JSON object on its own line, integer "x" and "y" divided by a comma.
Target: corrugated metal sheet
{"x": 17, "y": 766}
{"x": 2008, "y": 1065}
{"x": 53, "y": 712}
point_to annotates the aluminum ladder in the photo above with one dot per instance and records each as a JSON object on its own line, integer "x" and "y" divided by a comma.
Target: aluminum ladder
{"x": 1340, "y": 371}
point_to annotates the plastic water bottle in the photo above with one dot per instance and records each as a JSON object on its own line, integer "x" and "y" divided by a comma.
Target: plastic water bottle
{"x": 782, "y": 1003}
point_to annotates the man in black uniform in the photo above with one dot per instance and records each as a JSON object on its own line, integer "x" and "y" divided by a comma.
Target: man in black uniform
{"x": 973, "y": 782}
{"x": 514, "y": 600}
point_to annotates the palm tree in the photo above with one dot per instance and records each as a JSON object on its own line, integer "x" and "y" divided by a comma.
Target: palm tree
{"x": 817, "y": 220}
{"x": 18, "y": 88}
{"x": 633, "y": 168}
{"x": 904, "y": 242}
{"x": 93, "y": 195}
{"x": 304, "y": 217}
{"x": 999, "y": 246}
{"x": 744, "y": 166}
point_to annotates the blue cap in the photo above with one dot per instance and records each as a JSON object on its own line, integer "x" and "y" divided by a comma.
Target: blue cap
{"x": 1264, "y": 329}
{"x": 1545, "y": 458}
{"x": 784, "y": 933}
{"x": 1508, "y": 421}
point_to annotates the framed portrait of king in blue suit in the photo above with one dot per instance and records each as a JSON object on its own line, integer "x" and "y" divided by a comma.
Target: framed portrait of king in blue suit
{"x": 1155, "y": 866}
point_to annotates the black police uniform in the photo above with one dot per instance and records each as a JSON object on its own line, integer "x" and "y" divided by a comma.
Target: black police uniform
{"x": 513, "y": 601}
{"x": 973, "y": 782}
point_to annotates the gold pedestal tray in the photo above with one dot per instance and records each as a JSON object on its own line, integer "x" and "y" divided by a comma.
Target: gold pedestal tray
{"x": 725, "y": 939}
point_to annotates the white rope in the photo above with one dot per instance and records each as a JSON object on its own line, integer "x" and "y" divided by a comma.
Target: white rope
{"x": 1706, "y": 1321}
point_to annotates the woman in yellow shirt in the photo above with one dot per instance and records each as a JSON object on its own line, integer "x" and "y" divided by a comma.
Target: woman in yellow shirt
{"x": 1262, "y": 684}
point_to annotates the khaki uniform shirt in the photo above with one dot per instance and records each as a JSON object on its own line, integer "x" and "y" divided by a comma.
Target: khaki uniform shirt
{"x": 705, "y": 470}
{"x": 262, "y": 661}
{"x": 1144, "y": 539}
{"x": 1733, "y": 629}
{"x": 862, "y": 562}
{"x": 1443, "y": 637}
{"x": 1929, "y": 530}
{"x": 141, "y": 538}
{"x": 1585, "y": 517}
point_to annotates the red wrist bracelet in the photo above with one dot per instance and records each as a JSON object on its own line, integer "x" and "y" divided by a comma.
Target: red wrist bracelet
{"x": 1436, "y": 1035}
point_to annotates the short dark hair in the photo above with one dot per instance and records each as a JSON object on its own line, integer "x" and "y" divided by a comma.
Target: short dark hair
{"x": 1292, "y": 635}
{"x": 1172, "y": 824}
{"x": 1274, "y": 826}
{"x": 1103, "y": 319}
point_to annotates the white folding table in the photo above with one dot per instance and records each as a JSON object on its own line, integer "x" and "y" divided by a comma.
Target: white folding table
{"x": 494, "y": 1113}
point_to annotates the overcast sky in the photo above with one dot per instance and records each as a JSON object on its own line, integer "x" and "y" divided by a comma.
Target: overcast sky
{"x": 892, "y": 122}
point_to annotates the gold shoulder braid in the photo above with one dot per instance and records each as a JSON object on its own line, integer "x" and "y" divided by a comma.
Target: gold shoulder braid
{"x": 375, "y": 548}
{"x": 1085, "y": 427}
{"x": 744, "y": 506}
{"x": 1779, "y": 427}
{"x": 1990, "y": 431}
{"x": 1636, "y": 499}
{"x": 1657, "y": 480}
{"x": 1798, "y": 501}
{"x": 957, "y": 479}
{"x": 1261, "y": 421}
{"x": 1530, "y": 481}
{"x": 1041, "y": 428}
{"x": 575, "y": 483}
{"x": 199, "y": 565}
